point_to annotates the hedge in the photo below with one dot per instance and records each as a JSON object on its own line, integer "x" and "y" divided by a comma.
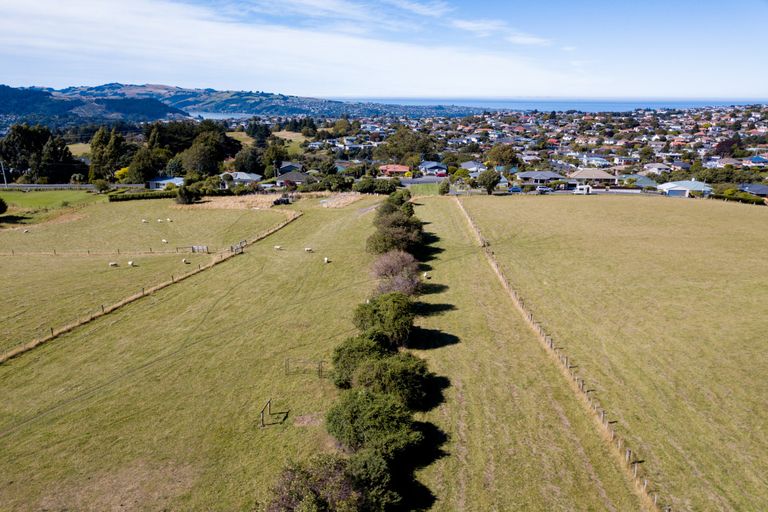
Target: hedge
{"x": 163, "y": 194}
{"x": 740, "y": 198}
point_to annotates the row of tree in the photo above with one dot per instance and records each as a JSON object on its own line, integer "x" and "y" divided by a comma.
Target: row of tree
{"x": 382, "y": 386}
{"x": 32, "y": 154}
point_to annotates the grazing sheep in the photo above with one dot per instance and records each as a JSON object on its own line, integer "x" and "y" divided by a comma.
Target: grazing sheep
{"x": 144, "y": 221}
{"x": 131, "y": 264}
{"x": 159, "y": 220}
{"x": 427, "y": 276}
{"x": 278, "y": 247}
{"x": 164, "y": 241}
{"x": 112, "y": 263}
{"x": 327, "y": 260}
{"x": 307, "y": 249}
{"x": 168, "y": 220}
{"x": 185, "y": 261}
{"x": 26, "y": 231}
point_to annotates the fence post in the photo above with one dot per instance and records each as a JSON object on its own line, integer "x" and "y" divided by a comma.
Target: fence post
{"x": 102, "y": 308}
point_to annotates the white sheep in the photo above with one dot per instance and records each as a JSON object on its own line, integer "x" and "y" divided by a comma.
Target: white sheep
{"x": 131, "y": 264}
{"x": 159, "y": 220}
{"x": 168, "y": 220}
{"x": 327, "y": 259}
{"x": 164, "y": 241}
{"x": 26, "y": 231}
{"x": 144, "y": 221}
{"x": 185, "y": 261}
{"x": 112, "y": 263}
{"x": 427, "y": 276}
{"x": 307, "y": 249}
{"x": 278, "y": 247}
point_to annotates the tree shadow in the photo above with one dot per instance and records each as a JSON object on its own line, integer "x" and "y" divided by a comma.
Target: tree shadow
{"x": 426, "y": 250}
{"x": 434, "y": 386}
{"x": 429, "y": 339}
{"x": 432, "y": 288}
{"x": 428, "y": 309}
{"x": 13, "y": 219}
{"x": 415, "y": 495}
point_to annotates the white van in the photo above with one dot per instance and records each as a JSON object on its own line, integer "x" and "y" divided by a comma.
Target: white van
{"x": 582, "y": 190}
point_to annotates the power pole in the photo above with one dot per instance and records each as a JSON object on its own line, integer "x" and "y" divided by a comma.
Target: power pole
{"x": 5, "y": 181}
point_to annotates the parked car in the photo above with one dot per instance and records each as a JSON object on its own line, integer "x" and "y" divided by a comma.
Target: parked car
{"x": 515, "y": 190}
{"x": 543, "y": 189}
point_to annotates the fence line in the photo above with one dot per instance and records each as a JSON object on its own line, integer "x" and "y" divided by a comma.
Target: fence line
{"x": 105, "y": 310}
{"x": 628, "y": 457}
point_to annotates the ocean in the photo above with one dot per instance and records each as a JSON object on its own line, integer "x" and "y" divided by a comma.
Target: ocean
{"x": 560, "y": 105}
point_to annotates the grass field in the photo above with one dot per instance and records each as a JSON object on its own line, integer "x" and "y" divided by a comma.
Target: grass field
{"x": 79, "y": 149}
{"x": 156, "y": 406}
{"x": 37, "y": 206}
{"x": 425, "y": 189}
{"x": 518, "y": 440}
{"x": 294, "y": 140}
{"x": 42, "y": 290}
{"x": 662, "y": 305}
{"x": 242, "y": 137}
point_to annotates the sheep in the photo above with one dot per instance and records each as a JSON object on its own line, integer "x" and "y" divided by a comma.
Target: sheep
{"x": 144, "y": 221}
{"x": 131, "y": 264}
{"x": 26, "y": 231}
{"x": 278, "y": 247}
{"x": 307, "y": 249}
{"x": 164, "y": 241}
{"x": 159, "y": 220}
{"x": 185, "y": 261}
{"x": 112, "y": 263}
{"x": 168, "y": 220}
{"x": 327, "y": 259}
{"x": 427, "y": 276}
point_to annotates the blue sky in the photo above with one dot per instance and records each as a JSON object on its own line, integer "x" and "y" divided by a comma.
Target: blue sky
{"x": 395, "y": 48}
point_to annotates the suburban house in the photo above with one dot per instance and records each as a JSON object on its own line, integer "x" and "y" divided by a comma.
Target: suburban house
{"x": 238, "y": 178}
{"x": 593, "y": 176}
{"x": 160, "y": 183}
{"x": 474, "y": 166}
{"x": 286, "y": 167}
{"x": 295, "y": 177}
{"x": 756, "y": 161}
{"x": 656, "y": 168}
{"x": 394, "y": 169}
{"x": 538, "y": 177}
{"x": 685, "y": 188}
{"x": 681, "y": 166}
{"x": 640, "y": 181}
{"x": 433, "y": 168}
{"x": 755, "y": 189}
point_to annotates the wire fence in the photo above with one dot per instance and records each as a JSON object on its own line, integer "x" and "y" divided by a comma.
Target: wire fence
{"x": 621, "y": 448}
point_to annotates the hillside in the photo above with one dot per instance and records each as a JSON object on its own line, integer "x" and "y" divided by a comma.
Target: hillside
{"x": 49, "y": 107}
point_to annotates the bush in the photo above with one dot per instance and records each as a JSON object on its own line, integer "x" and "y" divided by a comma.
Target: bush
{"x": 385, "y": 186}
{"x": 324, "y": 483}
{"x": 444, "y": 188}
{"x": 390, "y": 314}
{"x": 371, "y": 472}
{"x": 396, "y": 231}
{"x": 403, "y": 375}
{"x": 365, "y": 186}
{"x": 408, "y": 209}
{"x": 398, "y": 271}
{"x": 101, "y": 186}
{"x": 488, "y": 180}
{"x": 186, "y": 195}
{"x": 362, "y": 419}
{"x": 122, "y": 196}
{"x": 348, "y": 356}
{"x": 3, "y": 206}
{"x": 741, "y": 197}
{"x": 399, "y": 197}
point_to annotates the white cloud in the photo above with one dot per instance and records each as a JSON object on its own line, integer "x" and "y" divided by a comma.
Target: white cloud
{"x": 569, "y": 48}
{"x": 434, "y": 9}
{"x": 524, "y": 39}
{"x": 480, "y": 28}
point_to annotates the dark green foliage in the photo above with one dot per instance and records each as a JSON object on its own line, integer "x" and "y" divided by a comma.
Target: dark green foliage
{"x": 38, "y": 156}
{"x": 186, "y": 195}
{"x": 408, "y": 209}
{"x": 399, "y": 197}
{"x": 395, "y": 231}
{"x": 371, "y": 471}
{"x": 444, "y": 188}
{"x": 403, "y": 375}
{"x": 351, "y": 353}
{"x": 162, "y": 194}
{"x": 362, "y": 419}
{"x": 325, "y": 483}
{"x": 488, "y": 180}
{"x": 385, "y": 186}
{"x": 101, "y": 186}
{"x": 260, "y": 133}
{"x": 390, "y": 314}
{"x": 365, "y": 185}
{"x": 145, "y": 164}
{"x": 740, "y": 197}
{"x": 249, "y": 159}
{"x": 3, "y": 206}
{"x": 406, "y": 142}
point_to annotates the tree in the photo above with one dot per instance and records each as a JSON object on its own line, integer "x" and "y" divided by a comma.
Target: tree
{"x": 488, "y": 180}
{"x": 99, "y": 169}
{"x": 406, "y": 142}
{"x": 3, "y": 206}
{"x": 249, "y": 160}
{"x": 186, "y": 195}
{"x": 351, "y": 353}
{"x": 363, "y": 419}
{"x": 275, "y": 155}
{"x": 403, "y": 375}
{"x": 503, "y": 154}
{"x": 444, "y": 188}
{"x": 397, "y": 271}
{"x": 390, "y": 314}
{"x": 143, "y": 166}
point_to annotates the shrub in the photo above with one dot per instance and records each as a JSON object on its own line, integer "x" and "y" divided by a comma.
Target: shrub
{"x": 351, "y": 353}
{"x": 396, "y": 230}
{"x": 444, "y": 188}
{"x": 324, "y": 483}
{"x": 740, "y": 197}
{"x": 398, "y": 272}
{"x": 399, "y": 197}
{"x": 101, "y": 186}
{"x": 408, "y": 209}
{"x": 371, "y": 472}
{"x": 488, "y": 180}
{"x": 403, "y": 375}
{"x": 362, "y": 419}
{"x": 390, "y": 314}
{"x": 122, "y": 196}
{"x": 365, "y": 186}
{"x": 3, "y": 206}
{"x": 385, "y": 186}
{"x": 186, "y": 195}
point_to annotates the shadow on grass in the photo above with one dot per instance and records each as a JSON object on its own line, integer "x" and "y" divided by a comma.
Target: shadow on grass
{"x": 435, "y": 386}
{"x": 417, "y": 496}
{"x": 428, "y": 309}
{"x": 429, "y": 339}
{"x": 427, "y": 251}
{"x": 13, "y": 219}
{"x": 432, "y": 288}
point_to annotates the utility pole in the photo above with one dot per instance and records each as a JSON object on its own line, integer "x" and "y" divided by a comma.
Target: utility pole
{"x": 5, "y": 181}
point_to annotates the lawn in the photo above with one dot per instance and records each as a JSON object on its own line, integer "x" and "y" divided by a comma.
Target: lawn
{"x": 79, "y": 149}
{"x": 517, "y": 437}
{"x": 662, "y": 305}
{"x": 38, "y": 206}
{"x": 242, "y": 137}
{"x": 425, "y": 189}
{"x": 156, "y": 406}
{"x": 294, "y": 141}
{"x": 43, "y": 290}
